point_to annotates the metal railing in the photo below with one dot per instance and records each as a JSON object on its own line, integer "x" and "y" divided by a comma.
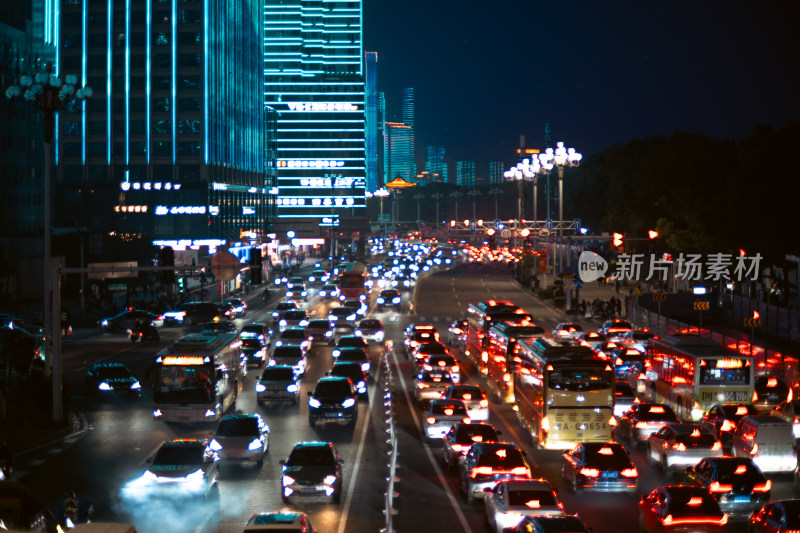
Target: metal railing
{"x": 391, "y": 440}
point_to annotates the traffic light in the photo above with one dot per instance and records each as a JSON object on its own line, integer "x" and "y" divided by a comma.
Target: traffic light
{"x": 167, "y": 259}
{"x": 255, "y": 266}
{"x": 180, "y": 283}
{"x": 617, "y": 239}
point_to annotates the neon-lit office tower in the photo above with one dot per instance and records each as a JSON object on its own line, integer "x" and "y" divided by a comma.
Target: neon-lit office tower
{"x": 465, "y": 173}
{"x": 435, "y": 163}
{"x": 373, "y": 124}
{"x": 314, "y": 79}
{"x": 397, "y": 146}
{"x": 496, "y": 169}
{"x": 174, "y": 143}
{"x": 409, "y": 119}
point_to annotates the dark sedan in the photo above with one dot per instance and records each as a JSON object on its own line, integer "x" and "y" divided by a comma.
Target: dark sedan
{"x": 125, "y": 320}
{"x": 114, "y": 379}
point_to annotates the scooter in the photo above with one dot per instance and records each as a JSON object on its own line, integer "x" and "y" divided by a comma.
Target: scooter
{"x": 144, "y": 334}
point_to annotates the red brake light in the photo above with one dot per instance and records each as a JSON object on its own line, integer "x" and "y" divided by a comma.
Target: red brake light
{"x": 641, "y": 425}
{"x": 521, "y": 471}
{"x": 763, "y": 487}
{"x": 755, "y": 449}
{"x": 484, "y": 403}
{"x": 431, "y": 420}
{"x": 717, "y": 446}
{"x": 630, "y": 472}
{"x": 717, "y": 487}
{"x": 481, "y": 470}
{"x": 590, "y": 472}
{"x": 679, "y": 446}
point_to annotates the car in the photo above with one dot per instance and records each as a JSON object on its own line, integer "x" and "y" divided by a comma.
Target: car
{"x": 329, "y": 291}
{"x": 349, "y": 341}
{"x": 721, "y": 419}
{"x": 114, "y": 379}
{"x": 419, "y": 334}
{"x": 222, "y": 327}
{"x": 638, "y": 339}
{"x": 370, "y": 329}
{"x": 341, "y": 329}
{"x": 291, "y": 355}
{"x": 293, "y": 337}
{"x": 278, "y": 383}
{"x": 353, "y": 371}
{"x": 443, "y": 362}
{"x": 122, "y": 322}
{"x": 789, "y": 411}
{"x": 313, "y": 469}
{"x": 293, "y": 318}
{"x": 613, "y": 329}
{"x": 458, "y": 332}
{"x": 359, "y": 307}
{"x": 238, "y": 307}
{"x": 567, "y": 330}
{"x": 681, "y": 445}
{"x": 551, "y": 524}
{"x": 485, "y": 464}
{"x": 422, "y": 352}
{"x": 642, "y": 419}
{"x": 769, "y": 393}
{"x": 588, "y": 338}
{"x": 279, "y": 522}
{"x": 599, "y": 467}
{"x": 192, "y": 313}
{"x": 624, "y": 398}
{"x": 510, "y": 500}
{"x": 736, "y": 482}
{"x": 625, "y": 358}
{"x": 258, "y": 330}
{"x": 778, "y": 516}
{"x": 389, "y": 298}
{"x": 604, "y": 349}
{"x": 180, "y": 468}
{"x": 319, "y": 331}
{"x": 430, "y": 385}
{"x": 473, "y": 397}
{"x": 441, "y": 415}
{"x": 458, "y": 439}
{"x": 227, "y": 309}
{"x": 281, "y": 308}
{"x": 254, "y": 352}
{"x": 354, "y": 355}
{"x": 241, "y": 438}
{"x": 21, "y": 510}
{"x": 768, "y": 441}
{"x": 681, "y": 508}
{"x": 333, "y": 400}
{"x": 296, "y": 289}
{"x": 318, "y": 277}
{"x": 339, "y": 315}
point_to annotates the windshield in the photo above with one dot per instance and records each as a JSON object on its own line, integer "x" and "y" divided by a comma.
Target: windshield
{"x": 352, "y": 354}
{"x": 278, "y": 373}
{"x": 259, "y": 330}
{"x": 319, "y": 324}
{"x": 466, "y": 393}
{"x": 113, "y": 372}
{"x": 293, "y": 334}
{"x": 371, "y": 324}
{"x": 179, "y": 455}
{"x": 311, "y": 456}
{"x": 604, "y": 456}
{"x": 681, "y": 498}
{"x": 579, "y": 379}
{"x": 501, "y": 457}
{"x": 526, "y": 498}
{"x": 254, "y": 344}
{"x": 238, "y": 427}
{"x": 657, "y": 413}
{"x": 184, "y": 384}
{"x": 733, "y": 471}
{"x": 448, "y": 409}
{"x": 703, "y": 440}
{"x": 437, "y": 377}
{"x": 469, "y": 433}
{"x": 338, "y": 387}
{"x": 348, "y": 370}
{"x": 735, "y": 412}
{"x": 623, "y": 390}
{"x": 295, "y": 315}
{"x": 356, "y": 342}
{"x": 287, "y": 352}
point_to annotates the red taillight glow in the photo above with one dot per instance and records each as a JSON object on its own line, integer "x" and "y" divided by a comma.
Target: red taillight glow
{"x": 679, "y": 446}
{"x": 717, "y": 487}
{"x": 669, "y": 520}
{"x": 589, "y": 472}
{"x": 630, "y": 472}
{"x": 763, "y": 487}
{"x": 727, "y": 425}
{"x": 481, "y": 471}
{"x": 457, "y": 447}
{"x": 716, "y": 447}
{"x": 754, "y": 450}
{"x": 484, "y": 403}
{"x": 431, "y": 420}
{"x": 612, "y": 422}
{"x": 521, "y": 471}
{"x": 641, "y": 425}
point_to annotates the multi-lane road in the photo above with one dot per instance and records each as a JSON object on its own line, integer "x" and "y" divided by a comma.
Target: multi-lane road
{"x": 122, "y": 435}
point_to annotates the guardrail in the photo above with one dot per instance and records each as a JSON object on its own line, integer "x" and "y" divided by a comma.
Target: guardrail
{"x": 391, "y": 440}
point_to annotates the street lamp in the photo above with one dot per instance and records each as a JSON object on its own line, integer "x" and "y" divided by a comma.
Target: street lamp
{"x": 474, "y": 193}
{"x": 418, "y": 197}
{"x": 49, "y": 94}
{"x": 560, "y": 158}
{"x": 455, "y": 195}
{"x": 527, "y": 170}
{"x": 495, "y": 191}
{"x": 437, "y": 196}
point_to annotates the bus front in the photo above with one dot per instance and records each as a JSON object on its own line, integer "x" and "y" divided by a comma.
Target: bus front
{"x": 184, "y": 389}
{"x": 727, "y": 379}
{"x": 579, "y": 403}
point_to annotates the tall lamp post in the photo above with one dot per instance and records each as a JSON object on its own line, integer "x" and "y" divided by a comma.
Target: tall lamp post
{"x": 495, "y": 191}
{"x": 49, "y": 94}
{"x": 381, "y": 194}
{"x": 526, "y": 170}
{"x": 419, "y": 196}
{"x": 474, "y": 193}
{"x": 437, "y": 196}
{"x": 560, "y": 158}
{"x": 455, "y": 195}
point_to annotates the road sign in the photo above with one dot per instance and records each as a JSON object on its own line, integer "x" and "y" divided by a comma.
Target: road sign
{"x": 497, "y": 223}
{"x": 752, "y": 322}
{"x": 543, "y": 266}
{"x": 505, "y": 233}
{"x": 578, "y": 283}
{"x": 473, "y": 226}
{"x": 577, "y": 223}
{"x": 701, "y": 306}
{"x": 544, "y": 232}
{"x": 637, "y": 292}
{"x": 659, "y": 297}
{"x": 549, "y": 224}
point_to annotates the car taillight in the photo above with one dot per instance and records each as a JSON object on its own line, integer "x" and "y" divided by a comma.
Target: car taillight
{"x": 521, "y": 471}
{"x": 422, "y": 385}
{"x": 545, "y": 424}
{"x": 763, "y": 487}
{"x": 796, "y": 420}
{"x": 589, "y": 472}
{"x": 755, "y": 449}
{"x": 431, "y": 420}
{"x": 630, "y": 472}
{"x": 485, "y": 357}
{"x": 717, "y": 487}
{"x": 755, "y": 397}
{"x": 679, "y": 446}
{"x": 716, "y": 447}
{"x": 727, "y": 425}
{"x": 457, "y": 447}
{"x": 484, "y": 403}
{"x": 612, "y": 422}
{"x": 455, "y": 368}
{"x": 668, "y": 520}
{"x": 481, "y": 470}
{"x": 640, "y": 425}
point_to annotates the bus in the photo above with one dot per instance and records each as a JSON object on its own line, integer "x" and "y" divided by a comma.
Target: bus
{"x": 563, "y": 394}
{"x": 691, "y": 373}
{"x": 198, "y": 377}
{"x": 352, "y": 282}
{"x": 502, "y": 350}
{"x": 480, "y": 318}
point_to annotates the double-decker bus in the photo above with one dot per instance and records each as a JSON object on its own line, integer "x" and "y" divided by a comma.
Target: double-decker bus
{"x": 502, "y": 350}
{"x": 691, "y": 373}
{"x": 563, "y": 394}
{"x": 480, "y": 318}
{"x": 197, "y": 378}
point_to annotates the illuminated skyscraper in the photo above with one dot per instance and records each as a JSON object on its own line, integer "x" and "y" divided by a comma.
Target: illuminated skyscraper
{"x": 314, "y": 68}
{"x": 409, "y": 119}
{"x": 435, "y": 163}
{"x": 496, "y": 169}
{"x": 465, "y": 173}
{"x": 373, "y": 124}
{"x": 397, "y": 146}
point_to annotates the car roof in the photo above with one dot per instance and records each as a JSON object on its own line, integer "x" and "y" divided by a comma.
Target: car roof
{"x": 184, "y": 443}
{"x": 281, "y": 518}
{"x": 528, "y": 484}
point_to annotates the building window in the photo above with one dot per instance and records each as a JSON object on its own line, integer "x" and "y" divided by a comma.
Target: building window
{"x": 162, "y": 39}
{"x": 162, "y": 126}
{"x": 72, "y": 127}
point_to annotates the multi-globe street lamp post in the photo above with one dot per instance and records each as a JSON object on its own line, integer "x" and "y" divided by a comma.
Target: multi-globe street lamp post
{"x": 474, "y": 193}
{"x": 455, "y": 195}
{"x": 495, "y": 191}
{"x": 437, "y": 196}
{"x": 560, "y": 158}
{"x": 49, "y": 93}
{"x": 527, "y": 170}
{"x": 418, "y": 197}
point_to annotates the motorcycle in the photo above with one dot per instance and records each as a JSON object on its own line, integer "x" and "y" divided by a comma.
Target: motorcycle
{"x": 72, "y": 510}
{"x": 144, "y": 333}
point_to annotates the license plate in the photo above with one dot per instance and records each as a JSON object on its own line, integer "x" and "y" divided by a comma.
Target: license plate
{"x": 609, "y": 474}
{"x": 741, "y": 499}
{"x": 309, "y": 490}
{"x": 332, "y": 415}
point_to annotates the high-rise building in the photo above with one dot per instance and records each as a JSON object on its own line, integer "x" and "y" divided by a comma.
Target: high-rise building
{"x": 372, "y": 110}
{"x": 409, "y": 119}
{"x": 397, "y": 147}
{"x": 313, "y": 63}
{"x": 496, "y": 170}
{"x": 174, "y": 143}
{"x": 435, "y": 163}
{"x": 381, "y": 139}
{"x": 465, "y": 173}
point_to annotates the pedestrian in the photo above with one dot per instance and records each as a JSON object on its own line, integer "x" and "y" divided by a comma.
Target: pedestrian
{"x": 616, "y": 285}
{"x": 612, "y": 308}
{"x": 619, "y": 306}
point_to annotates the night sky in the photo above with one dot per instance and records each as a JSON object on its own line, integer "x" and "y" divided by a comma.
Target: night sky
{"x": 600, "y": 72}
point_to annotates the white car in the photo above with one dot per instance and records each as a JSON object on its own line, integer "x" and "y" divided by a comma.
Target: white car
{"x": 512, "y": 500}
{"x": 280, "y": 522}
{"x": 441, "y": 415}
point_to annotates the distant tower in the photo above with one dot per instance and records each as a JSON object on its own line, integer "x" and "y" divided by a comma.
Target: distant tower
{"x": 372, "y": 119}
{"x": 547, "y": 135}
{"x": 408, "y": 119}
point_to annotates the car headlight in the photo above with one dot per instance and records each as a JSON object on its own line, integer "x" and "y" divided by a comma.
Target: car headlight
{"x": 271, "y": 362}
{"x": 351, "y": 317}
{"x": 303, "y": 323}
{"x": 335, "y": 353}
{"x": 292, "y": 388}
{"x": 287, "y": 480}
{"x": 365, "y": 367}
{"x": 104, "y": 386}
{"x": 304, "y": 293}
{"x": 329, "y": 480}
{"x": 313, "y": 402}
{"x": 379, "y": 300}
{"x": 136, "y": 385}
{"x": 149, "y": 476}
{"x": 322, "y": 294}
{"x": 396, "y": 300}
{"x": 362, "y": 297}
{"x": 104, "y": 323}
{"x": 332, "y": 318}
{"x": 195, "y": 478}
{"x": 254, "y": 445}
{"x": 215, "y": 445}
{"x": 350, "y": 402}
{"x": 260, "y": 387}
{"x": 279, "y": 343}
{"x": 328, "y": 333}
{"x": 359, "y": 333}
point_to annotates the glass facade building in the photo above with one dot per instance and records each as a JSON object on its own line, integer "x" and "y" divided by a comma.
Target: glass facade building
{"x": 314, "y": 79}
{"x": 496, "y": 169}
{"x": 465, "y": 173}
{"x": 175, "y": 142}
{"x": 397, "y": 139}
{"x": 435, "y": 163}
{"x": 372, "y": 119}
